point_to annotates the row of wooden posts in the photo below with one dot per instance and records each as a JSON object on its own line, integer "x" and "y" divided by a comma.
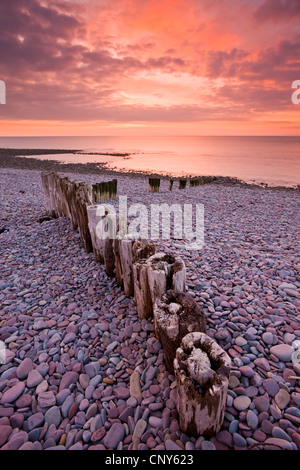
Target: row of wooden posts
{"x": 66, "y": 198}
{"x": 154, "y": 183}
{"x": 157, "y": 281}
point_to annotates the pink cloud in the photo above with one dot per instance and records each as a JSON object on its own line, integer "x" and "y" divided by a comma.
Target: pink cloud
{"x": 76, "y": 60}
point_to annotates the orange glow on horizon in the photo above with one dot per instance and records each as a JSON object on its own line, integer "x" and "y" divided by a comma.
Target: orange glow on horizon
{"x": 204, "y": 128}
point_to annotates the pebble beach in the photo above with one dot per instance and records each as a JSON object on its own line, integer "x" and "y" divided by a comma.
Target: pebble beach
{"x": 83, "y": 372}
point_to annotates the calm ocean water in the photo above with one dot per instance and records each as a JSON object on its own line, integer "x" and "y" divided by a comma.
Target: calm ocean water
{"x": 272, "y": 160}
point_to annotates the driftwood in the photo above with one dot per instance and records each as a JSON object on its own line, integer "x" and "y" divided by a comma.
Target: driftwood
{"x": 142, "y": 250}
{"x": 154, "y": 184}
{"x": 165, "y": 272}
{"x": 202, "y": 371}
{"x": 175, "y": 315}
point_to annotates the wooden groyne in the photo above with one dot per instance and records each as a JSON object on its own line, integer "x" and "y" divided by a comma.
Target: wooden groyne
{"x": 154, "y": 183}
{"x": 157, "y": 282}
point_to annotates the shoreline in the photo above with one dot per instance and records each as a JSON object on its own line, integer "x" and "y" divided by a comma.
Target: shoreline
{"x": 19, "y": 159}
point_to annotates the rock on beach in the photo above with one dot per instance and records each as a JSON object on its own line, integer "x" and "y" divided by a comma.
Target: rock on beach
{"x": 10, "y": 395}
{"x": 82, "y": 371}
{"x": 283, "y": 352}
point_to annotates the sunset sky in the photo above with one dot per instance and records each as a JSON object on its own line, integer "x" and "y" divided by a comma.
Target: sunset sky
{"x": 143, "y": 67}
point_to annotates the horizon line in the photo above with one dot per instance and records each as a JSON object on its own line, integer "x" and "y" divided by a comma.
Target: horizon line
{"x": 145, "y": 135}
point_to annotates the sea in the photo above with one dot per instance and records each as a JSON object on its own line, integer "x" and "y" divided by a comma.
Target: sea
{"x": 274, "y": 161}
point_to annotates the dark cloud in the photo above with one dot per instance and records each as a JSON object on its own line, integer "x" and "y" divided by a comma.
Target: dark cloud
{"x": 224, "y": 64}
{"x": 36, "y": 38}
{"x": 255, "y": 98}
{"x": 280, "y": 63}
{"x": 31, "y": 19}
{"x": 41, "y": 39}
{"x": 165, "y": 62}
{"x": 80, "y": 109}
{"x": 278, "y": 10}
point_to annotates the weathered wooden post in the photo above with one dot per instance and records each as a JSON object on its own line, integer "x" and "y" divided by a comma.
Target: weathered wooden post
{"x": 70, "y": 199}
{"x": 58, "y": 190}
{"x": 207, "y": 179}
{"x": 126, "y": 259}
{"x": 154, "y": 184}
{"x": 130, "y": 251}
{"x": 103, "y": 229}
{"x": 62, "y": 203}
{"x": 119, "y": 274}
{"x": 80, "y": 202}
{"x": 67, "y": 189}
{"x": 102, "y": 192}
{"x": 109, "y": 257}
{"x": 142, "y": 250}
{"x": 48, "y": 182}
{"x": 182, "y": 184}
{"x": 58, "y": 196}
{"x": 165, "y": 272}
{"x": 108, "y": 233}
{"x": 113, "y": 189}
{"x": 194, "y": 182}
{"x": 122, "y": 231}
{"x": 175, "y": 315}
{"x": 202, "y": 371}
{"x": 171, "y": 185}
{"x": 54, "y": 186}
{"x": 97, "y": 242}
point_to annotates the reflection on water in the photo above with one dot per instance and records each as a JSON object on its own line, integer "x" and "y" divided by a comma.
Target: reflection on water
{"x": 272, "y": 160}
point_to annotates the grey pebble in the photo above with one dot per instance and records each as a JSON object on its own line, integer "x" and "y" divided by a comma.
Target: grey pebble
{"x": 53, "y": 416}
{"x": 64, "y": 341}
